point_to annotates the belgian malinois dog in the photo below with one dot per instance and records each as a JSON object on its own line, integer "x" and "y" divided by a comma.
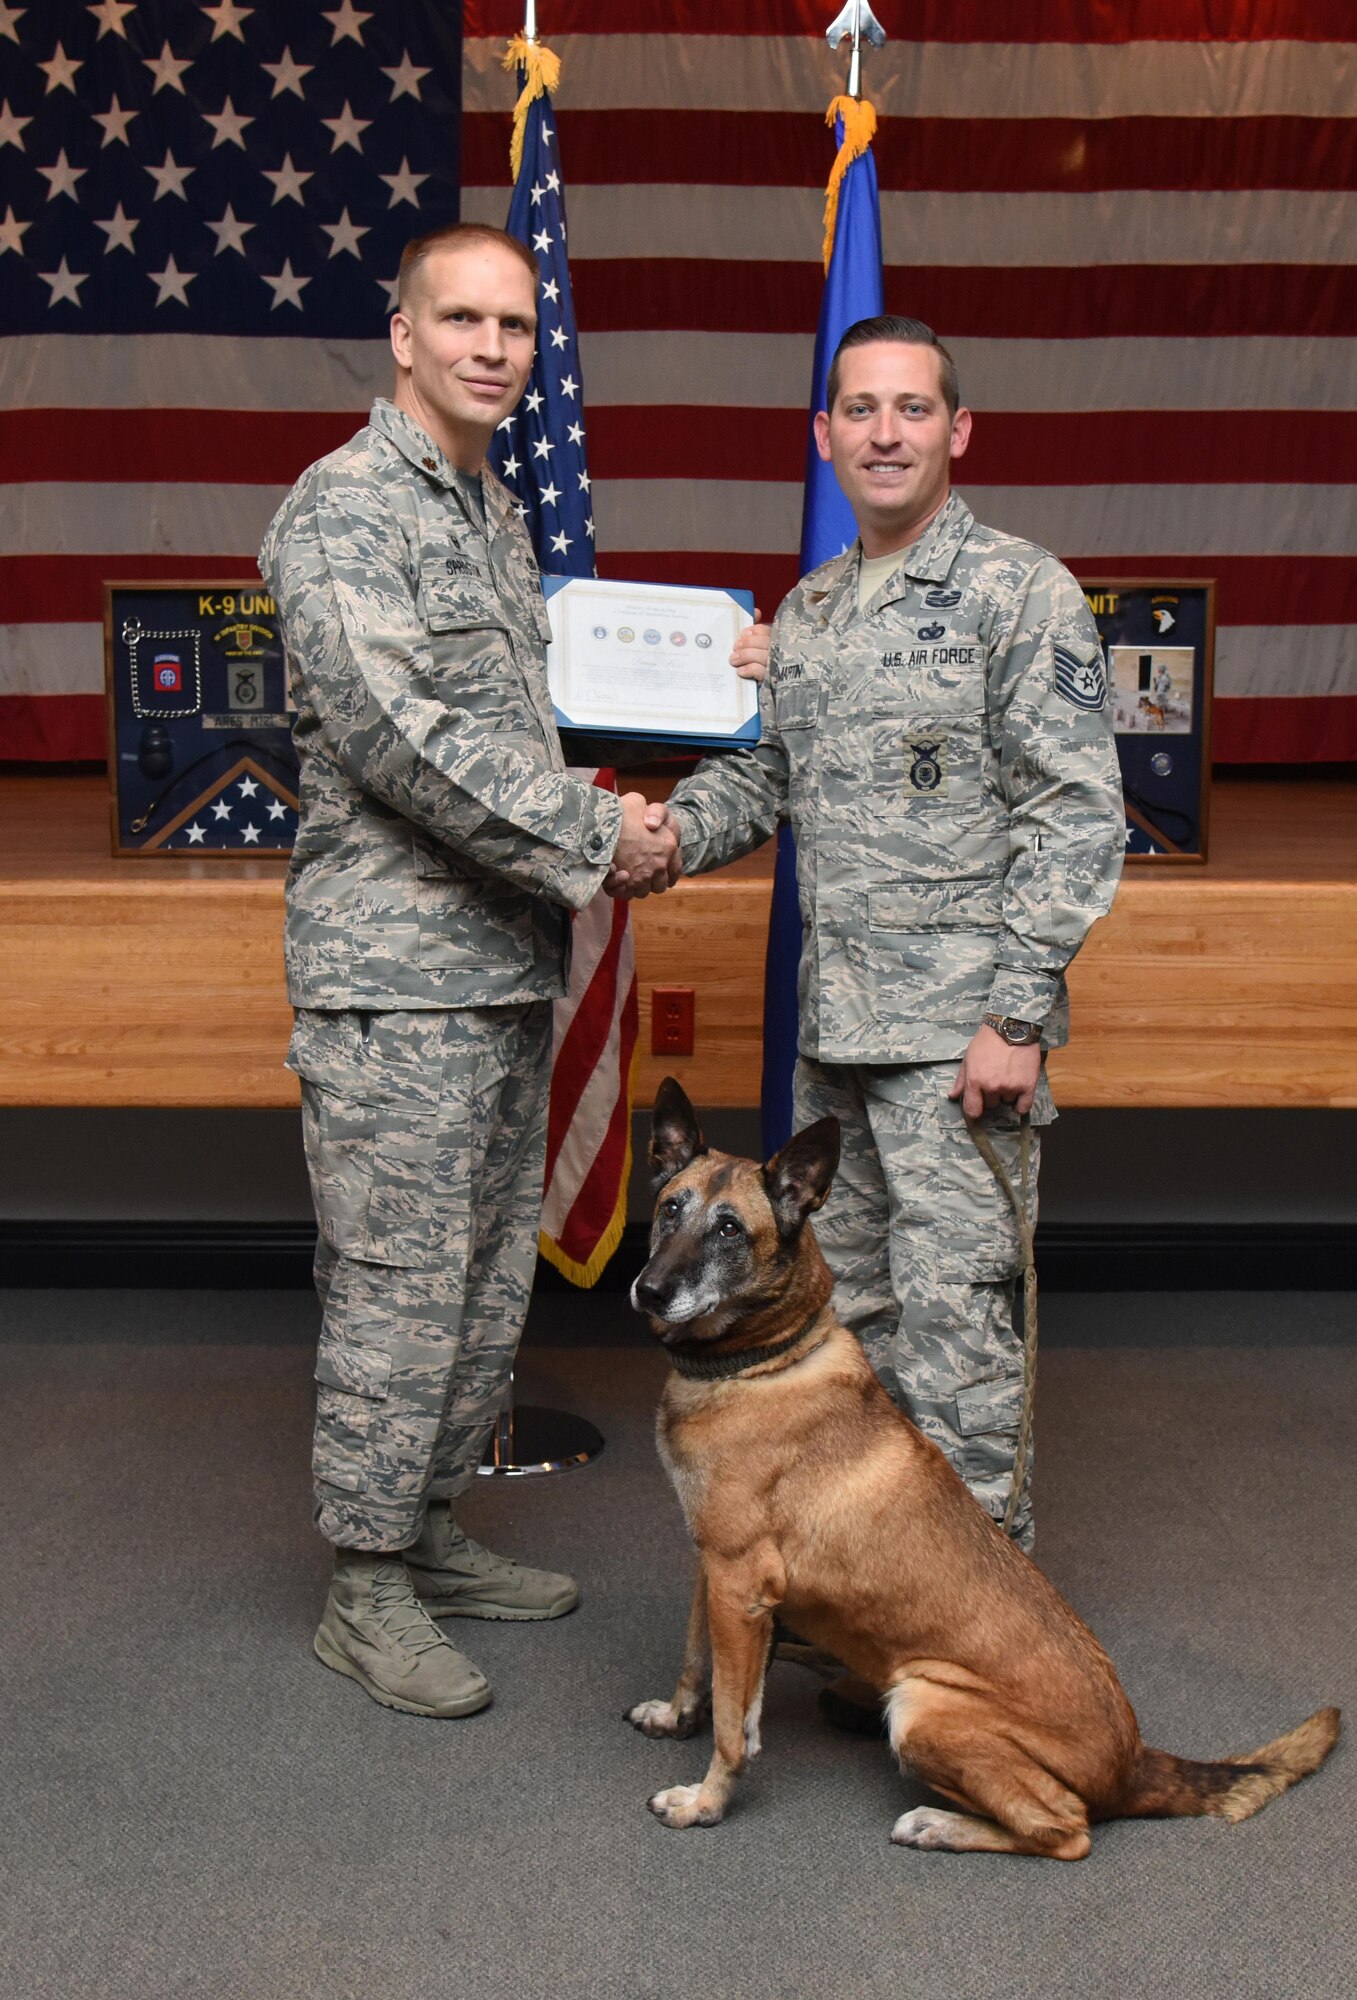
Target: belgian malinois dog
{"x": 808, "y": 1494}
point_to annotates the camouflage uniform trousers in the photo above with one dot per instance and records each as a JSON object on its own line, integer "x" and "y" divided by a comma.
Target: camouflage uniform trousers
{"x": 425, "y": 1137}
{"x": 925, "y": 1254}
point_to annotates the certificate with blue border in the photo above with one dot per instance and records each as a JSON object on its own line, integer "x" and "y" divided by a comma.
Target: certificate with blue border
{"x": 649, "y": 663}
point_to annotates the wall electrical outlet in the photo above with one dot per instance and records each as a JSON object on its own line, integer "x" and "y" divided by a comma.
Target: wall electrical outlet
{"x": 671, "y": 1020}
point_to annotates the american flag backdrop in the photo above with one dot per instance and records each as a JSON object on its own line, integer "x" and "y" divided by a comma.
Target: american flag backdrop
{"x": 1133, "y": 219}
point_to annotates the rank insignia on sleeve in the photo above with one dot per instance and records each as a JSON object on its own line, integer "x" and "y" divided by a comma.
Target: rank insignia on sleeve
{"x": 928, "y": 772}
{"x": 1083, "y": 682}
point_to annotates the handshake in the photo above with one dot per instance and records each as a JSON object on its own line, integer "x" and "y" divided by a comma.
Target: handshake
{"x": 646, "y": 860}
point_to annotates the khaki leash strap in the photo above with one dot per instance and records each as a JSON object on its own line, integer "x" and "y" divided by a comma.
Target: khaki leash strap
{"x": 1023, "y": 1215}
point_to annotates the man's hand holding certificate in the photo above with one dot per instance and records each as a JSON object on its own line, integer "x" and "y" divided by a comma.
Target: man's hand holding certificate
{"x": 652, "y": 663}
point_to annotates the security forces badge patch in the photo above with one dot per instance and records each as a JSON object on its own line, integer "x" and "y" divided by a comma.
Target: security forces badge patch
{"x": 1083, "y": 682}
{"x": 928, "y": 771}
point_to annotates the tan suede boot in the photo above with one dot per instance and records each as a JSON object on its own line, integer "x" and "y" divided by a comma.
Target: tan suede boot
{"x": 455, "y": 1577}
{"x": 374, "y": 1630}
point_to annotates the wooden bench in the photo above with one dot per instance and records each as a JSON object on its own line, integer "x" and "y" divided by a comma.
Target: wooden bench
{"x": 160, "y": 982}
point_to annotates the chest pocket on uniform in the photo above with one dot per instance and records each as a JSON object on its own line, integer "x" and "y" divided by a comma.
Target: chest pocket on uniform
{"x": 929, "y": 761}
{"x": 474, "y": 664}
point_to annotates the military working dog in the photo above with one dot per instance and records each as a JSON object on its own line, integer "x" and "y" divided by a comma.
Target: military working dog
{"x": 809, "y": 1494}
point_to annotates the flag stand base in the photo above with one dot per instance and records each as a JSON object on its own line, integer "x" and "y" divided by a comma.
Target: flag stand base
{"x": 528, "y": 1439}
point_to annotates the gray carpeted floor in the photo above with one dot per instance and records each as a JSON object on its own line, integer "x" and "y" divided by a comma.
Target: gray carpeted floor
{"x": 192, "y": 1805}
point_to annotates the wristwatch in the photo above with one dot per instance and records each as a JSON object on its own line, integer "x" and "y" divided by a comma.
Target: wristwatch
{"x": 1018, "y": 1034}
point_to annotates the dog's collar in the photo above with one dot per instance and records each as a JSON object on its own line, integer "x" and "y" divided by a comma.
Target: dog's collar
{"x": 694, "y": 1359}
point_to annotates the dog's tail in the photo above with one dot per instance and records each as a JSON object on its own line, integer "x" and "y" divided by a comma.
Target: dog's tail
{"x": 1168, "y": 1787}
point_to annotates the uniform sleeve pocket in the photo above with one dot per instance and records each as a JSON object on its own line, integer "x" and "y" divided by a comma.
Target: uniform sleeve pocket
{"x": 797, "y": 706}
{"x": 964, "y": 902}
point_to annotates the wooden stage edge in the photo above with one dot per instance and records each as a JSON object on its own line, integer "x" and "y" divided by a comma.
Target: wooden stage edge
{"x": 160, "y": 983}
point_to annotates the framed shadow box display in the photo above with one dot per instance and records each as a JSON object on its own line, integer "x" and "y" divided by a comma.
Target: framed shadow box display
{"x": 200, "y": 755}
{"x": 1159, "y": 645}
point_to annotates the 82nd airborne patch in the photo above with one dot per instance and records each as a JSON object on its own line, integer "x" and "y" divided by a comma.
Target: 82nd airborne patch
{"x": 1083, "y": 682}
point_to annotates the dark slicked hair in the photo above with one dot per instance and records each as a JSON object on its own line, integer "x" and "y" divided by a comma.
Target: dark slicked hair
{"x": 458, "y": 236}
{"x": 909, "y": 332}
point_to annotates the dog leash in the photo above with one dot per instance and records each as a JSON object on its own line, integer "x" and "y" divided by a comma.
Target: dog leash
{"x": 1022, "y": 1215}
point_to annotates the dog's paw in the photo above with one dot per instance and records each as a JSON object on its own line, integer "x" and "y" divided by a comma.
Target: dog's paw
{"x": 924, "y": 1827}
{"x": 662, "y": 1718}
{"x": 680, "y": 1806}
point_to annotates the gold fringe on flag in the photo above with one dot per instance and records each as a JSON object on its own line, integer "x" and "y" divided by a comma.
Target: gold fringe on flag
{"x": 543, "y": 70}
{"x": 859, "y": 130}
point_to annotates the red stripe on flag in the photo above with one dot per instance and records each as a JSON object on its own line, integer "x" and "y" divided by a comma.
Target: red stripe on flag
{"x": 944, "y": 155}
{"x": 596, "y": 1203}
{"x": 669, "y": 441}
{"x": 230, "y": 448}
{"x": 1095, "y": 21}
{"x": 1010, "y": 302}
{"x": 63, "y": 590}
{"x": 1008, "y": 448}
{"x": 53, "y": 729}
{"x": 1277, "y": 729}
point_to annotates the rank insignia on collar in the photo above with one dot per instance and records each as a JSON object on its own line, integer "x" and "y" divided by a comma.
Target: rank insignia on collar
{"x": 1082, "y": 682}
{"x": 942, "y": 600}
{"x": 928, "y": 772}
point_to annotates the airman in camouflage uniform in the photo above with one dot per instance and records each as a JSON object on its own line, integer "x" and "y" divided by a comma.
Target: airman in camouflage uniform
{"x": 936, "y": 732}
{"x": 441, "y": 848}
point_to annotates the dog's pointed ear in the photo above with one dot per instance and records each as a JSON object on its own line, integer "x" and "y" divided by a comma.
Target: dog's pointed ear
{"x": 675, "y": 1135}
{"x": 800, "y": 1176}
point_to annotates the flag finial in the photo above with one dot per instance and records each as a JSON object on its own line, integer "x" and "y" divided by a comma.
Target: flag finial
{"x": 541, "y": 73}
{"x": 857, "y": 20}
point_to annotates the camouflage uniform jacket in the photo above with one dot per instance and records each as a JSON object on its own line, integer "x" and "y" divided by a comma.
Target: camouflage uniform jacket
{"x": 947, "y": 762}
{"x": 441, "y": 840}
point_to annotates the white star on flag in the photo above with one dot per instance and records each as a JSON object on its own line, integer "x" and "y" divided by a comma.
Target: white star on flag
{"x": 403, "y": 184}
{"x": 62, "y": 177}
{"x": 11, "y": 127}
{"x": 169, "y": 177}
{"x": 550, "y": 495}
{"x": 195, "y": 834}
{"x": 12, "y": 232}
{"x": 228, "y": 125}
{"x": 543, "y": 448}
{"x": 287, "y": 182}
{"x": 347, "y": 21}
{"x": 226, "y": 18}
{"x": 221, "y": 810}
{"x": 560, "y": 543}
{"x": 250, "y": 835}
{"x": 405, "y": 78}
{"x": 542, "y": 241}
{"x": 167, "y": 70}
{"x": 118, "y": 229}
{"x": 568, "y": 386}
{"x": 287, "y": 75}
{"x": 115, "y": 122}
{"x": 248, "y": 788}
{"x": 65, "y": 283}
{"x": 110, "y": 14}
{"x": 558, "y": 336}
{"x": 172, "y": 283}
{"x": 8, "y": 16}
{"x": 230, "y": 232}
{"x": 344, "y": 234}
{"x": 287, "y": 288}
{"x": 60, "y": 72}
{"x": 346, "y": 129}
{"x": 277, "y": 810}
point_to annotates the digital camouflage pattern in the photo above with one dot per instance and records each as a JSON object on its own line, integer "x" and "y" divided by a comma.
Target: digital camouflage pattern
{"x": 924, "y": 1249}
{"x": 425, "y": 1137}
{"x": 947, "y": 762}
{"x": 946, "y": 758}
{"x": 441, "y": 840}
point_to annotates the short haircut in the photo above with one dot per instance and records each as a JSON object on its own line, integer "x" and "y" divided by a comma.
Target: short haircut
{"x": 458, "y": 236}
{"x": 908, "y": 332}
